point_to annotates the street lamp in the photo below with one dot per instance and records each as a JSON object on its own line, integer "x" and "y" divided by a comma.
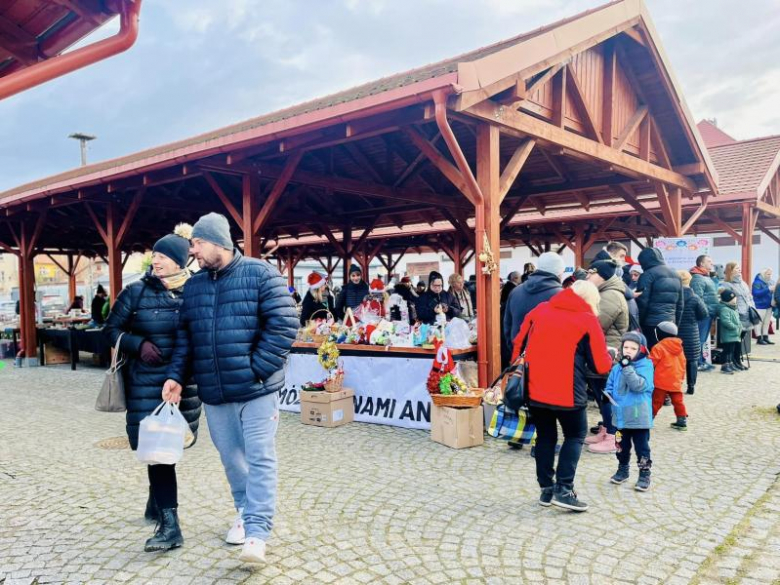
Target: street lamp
{"x": 83, "y": 139}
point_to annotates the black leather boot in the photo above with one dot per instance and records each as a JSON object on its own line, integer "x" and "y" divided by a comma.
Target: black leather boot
{"x": 168, "y": 534}
{"x": 152, "y": 513}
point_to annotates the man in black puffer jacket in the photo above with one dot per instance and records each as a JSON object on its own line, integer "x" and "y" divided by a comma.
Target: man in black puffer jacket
{"x": 541, "y": 286}
{"x": 661, "y": 294}
{"x": 237, "y": 325}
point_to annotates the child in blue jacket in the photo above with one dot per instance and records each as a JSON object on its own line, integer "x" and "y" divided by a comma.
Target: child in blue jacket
{"x": 630, "y": 390}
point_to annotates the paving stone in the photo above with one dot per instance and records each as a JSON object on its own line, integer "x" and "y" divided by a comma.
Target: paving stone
{"x": 395, "y": 508}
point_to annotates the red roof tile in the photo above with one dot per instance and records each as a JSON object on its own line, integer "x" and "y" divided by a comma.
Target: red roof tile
{"x": 712, "y": 135}
{"x": 743, "y": 166}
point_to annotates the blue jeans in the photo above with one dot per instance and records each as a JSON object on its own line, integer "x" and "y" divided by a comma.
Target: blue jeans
{"x": 244, "y": 433}
{"x": 704, "y": 333}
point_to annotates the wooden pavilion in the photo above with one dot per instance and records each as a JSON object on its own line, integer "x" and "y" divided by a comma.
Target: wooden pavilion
{"x": 580, "y": 115}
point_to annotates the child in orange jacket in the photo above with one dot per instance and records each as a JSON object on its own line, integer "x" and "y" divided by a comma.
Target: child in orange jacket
{"x": 668, "y": 359}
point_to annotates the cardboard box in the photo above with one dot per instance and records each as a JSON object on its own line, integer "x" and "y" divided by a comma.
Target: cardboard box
{"x": 457, "y": 427}
{"x": 328, "y": 409}
{"x": 54, "y": 355}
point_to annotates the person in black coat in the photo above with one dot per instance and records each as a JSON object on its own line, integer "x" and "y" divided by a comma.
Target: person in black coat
{"x": 98, "y": 302}
{"x": 318, "y": 302}
{"x": 353, "y": 293}
{"x": 436, "y": 300}
{"x": 407, "y": 293}
{"x": 694, "y": 310}
{"x": 541, "y": 286}
{"x": 660, "y": 294}
{"x": 146, "y": 315}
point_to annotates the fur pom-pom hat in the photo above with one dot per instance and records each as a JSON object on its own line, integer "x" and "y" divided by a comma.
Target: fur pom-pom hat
{"x": 176, "y": 246}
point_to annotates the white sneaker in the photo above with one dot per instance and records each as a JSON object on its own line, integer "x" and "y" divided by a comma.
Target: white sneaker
{"x": 236, "y": 533}
{"x": 253, "y": 551}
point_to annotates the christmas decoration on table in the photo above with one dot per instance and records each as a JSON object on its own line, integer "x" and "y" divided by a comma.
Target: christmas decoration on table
{"x": 487, "y": 258}
{"x": 397, "y": 308}
{"x": 372, "y": 309}
{"x": 313, "y": 387}
{"x": 328, "y": 357}
{"x": 381, "y": 333}
{"x": 444, "y": 384}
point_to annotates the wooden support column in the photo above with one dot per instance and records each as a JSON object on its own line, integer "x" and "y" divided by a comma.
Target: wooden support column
{"x": 488, "y": 285}
{"x": 250, "y": 192}
{"x": 347, "y": 258}
{"x": 72, "y": 278}
{"x": 114, "y": 253}
{"x": 749, "y": 218}
{"x": 457, "y": 255}
{"x": 290, "y": 268}
{"x": 579, "y": 247}
{"x": 28, "y": 240}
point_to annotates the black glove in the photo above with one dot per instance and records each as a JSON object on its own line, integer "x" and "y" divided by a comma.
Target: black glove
{"x": 150, "y": 353}
{"x": 625, "y": 361}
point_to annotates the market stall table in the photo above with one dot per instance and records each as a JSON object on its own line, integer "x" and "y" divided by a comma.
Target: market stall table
{"x": 389, "y": 382}
{"x": 74, "y": 341}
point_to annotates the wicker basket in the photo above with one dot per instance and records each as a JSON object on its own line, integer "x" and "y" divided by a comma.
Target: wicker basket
{"x": 319, "y": 339}
{"x": 471, "y": 400}
{"x": 335, "y": 384}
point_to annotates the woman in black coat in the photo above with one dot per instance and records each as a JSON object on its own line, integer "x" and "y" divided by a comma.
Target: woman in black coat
{"x": 436, "y": 300}
{"x": 147, "y": 312}
{"x": 318, "y": 302}
{"x": 694, "y": 310}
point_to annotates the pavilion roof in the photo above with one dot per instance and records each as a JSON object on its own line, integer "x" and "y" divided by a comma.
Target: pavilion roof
{"x": 32, "y": 31}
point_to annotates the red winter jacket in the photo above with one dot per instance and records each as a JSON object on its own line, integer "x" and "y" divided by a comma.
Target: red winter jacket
{"x": 565, "y": 340}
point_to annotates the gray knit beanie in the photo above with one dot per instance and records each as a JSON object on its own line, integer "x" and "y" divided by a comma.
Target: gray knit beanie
{"x": 213, "y": 228}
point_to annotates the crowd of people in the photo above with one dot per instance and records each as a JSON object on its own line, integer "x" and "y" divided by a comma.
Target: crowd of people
{"x": 633, "y": 336}
{"x": 627, "y": 335}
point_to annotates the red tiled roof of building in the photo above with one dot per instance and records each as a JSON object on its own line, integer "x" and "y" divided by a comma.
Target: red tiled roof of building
{"x": 743, "y": 166}
{"x": 712, "y": 135}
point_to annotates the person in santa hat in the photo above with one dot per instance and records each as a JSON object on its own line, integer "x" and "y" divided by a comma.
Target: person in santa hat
{"x": 317, "y": 300}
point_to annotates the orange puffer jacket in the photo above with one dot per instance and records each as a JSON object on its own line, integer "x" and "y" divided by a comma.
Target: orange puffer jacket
{"x": 669, "y": 362}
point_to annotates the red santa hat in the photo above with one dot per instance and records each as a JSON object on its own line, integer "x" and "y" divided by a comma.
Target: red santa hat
{"x": 377, "y": 286}
{"x": 316, "y": 280}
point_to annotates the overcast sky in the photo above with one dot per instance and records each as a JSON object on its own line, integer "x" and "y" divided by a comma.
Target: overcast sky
{"x": 202, "y": 64}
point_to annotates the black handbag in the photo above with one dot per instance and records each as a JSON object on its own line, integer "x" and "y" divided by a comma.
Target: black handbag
{"x": 754, "y": 316}
{"x": 516, "y": 391}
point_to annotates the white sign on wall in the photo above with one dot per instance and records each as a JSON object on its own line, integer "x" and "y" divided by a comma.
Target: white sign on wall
{"x": 388, "y": 390}
{"x": 681, "y": 253}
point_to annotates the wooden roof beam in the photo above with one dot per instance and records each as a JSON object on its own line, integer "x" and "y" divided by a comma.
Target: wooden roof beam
{"x": 524, "y": 125}
{"x": 356, "y": 187}
{"x": 578, "y": 95}
{"x": 514, "y": 166}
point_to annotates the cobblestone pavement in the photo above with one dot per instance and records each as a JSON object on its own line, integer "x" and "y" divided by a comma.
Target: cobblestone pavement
{"x": 372, "y": 504}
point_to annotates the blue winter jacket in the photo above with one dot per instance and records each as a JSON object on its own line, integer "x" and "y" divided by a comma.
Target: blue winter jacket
{"x": 236, "y": 327}
{"x": 762, "y": 296}
{"x": 632, "y": 390}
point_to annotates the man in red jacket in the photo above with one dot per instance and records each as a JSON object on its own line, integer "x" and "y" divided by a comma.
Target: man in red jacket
{"x": 562, "y": 339}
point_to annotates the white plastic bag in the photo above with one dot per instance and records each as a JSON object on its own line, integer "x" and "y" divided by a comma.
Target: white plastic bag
{"x": 456, "y": 335}
{"x": 161, "y": 436}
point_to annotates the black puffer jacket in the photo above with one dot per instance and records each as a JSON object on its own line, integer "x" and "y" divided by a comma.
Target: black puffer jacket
{"x": 237, "y": 326}
{"x": 661, "y": 288}
{"x": 426, "y": 303}
{"x": 688, "y": 328}
{"x": 350, "y": 297}
{"x": 540, "y": 287}
{"x": 156, "y": 319}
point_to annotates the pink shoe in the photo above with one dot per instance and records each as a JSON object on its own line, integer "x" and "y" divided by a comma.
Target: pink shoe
{"x": 605, "y": 446}
{"x": 598, "y": 437}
